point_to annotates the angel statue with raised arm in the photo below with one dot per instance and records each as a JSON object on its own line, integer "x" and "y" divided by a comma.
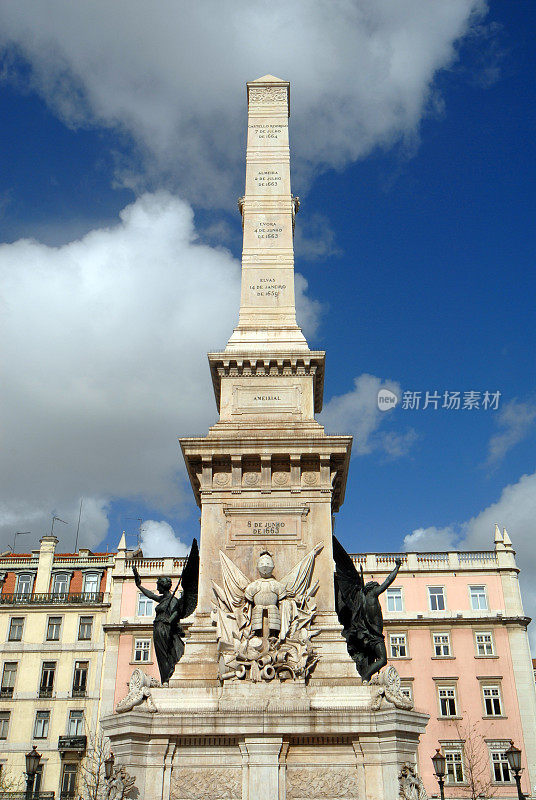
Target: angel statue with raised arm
{"x": 167, "y": 632}
{"x": 264, "y": 626}
{"x": 360, "y": 613}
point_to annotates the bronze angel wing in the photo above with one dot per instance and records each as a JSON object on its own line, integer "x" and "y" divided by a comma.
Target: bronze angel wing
{"x": 190, "y": 582}
{"x": 348, "y": 583}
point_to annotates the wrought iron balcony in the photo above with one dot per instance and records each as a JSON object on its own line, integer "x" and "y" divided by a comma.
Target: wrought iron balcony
{"x": 52, "y": 598}
{"x": 24, "y": 796}
{"x": 76, "y": 743}
{"x": 78, "y": 692}
{"x": 45, "y": 691}
{"x": 6, "y": 691}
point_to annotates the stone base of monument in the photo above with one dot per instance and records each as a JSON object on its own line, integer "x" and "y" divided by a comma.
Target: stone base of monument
{"x": 269, "y": 741}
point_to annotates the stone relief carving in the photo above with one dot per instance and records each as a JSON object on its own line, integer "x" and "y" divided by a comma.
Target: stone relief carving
{"x": 281, "y": 478}
{"x": 386, "y": 685}
{"x": 205, "y": 783}
{"x": 251, "y": 478}
{"x": 411, "y": 785}
{"x": 221, "y": 479}
{"x": 120, "y": 785}
{"x": 331, "y": 783}
{"x": 139, "y": 689}
{"x": 266, "y": 94}
{"x": 264, "y": 627}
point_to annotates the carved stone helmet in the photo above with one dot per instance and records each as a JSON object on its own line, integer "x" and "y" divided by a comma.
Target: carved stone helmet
{"x": 265, "y": 565}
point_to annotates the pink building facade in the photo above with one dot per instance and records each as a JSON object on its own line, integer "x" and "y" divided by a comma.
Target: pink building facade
{"x": 456, "y": 632}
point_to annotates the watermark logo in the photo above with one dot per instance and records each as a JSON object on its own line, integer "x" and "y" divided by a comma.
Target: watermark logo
{"x": 386, "y": 400}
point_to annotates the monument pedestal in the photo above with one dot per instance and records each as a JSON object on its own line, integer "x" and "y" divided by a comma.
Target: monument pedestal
{"x": 267, "y": 741}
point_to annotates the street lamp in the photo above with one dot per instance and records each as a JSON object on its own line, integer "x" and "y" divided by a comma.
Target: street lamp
{"x": 513, "y": 754}
{"x": 109, "y": 766}
{"x": 440, "y": 769}
{"x": 32, "y": 765}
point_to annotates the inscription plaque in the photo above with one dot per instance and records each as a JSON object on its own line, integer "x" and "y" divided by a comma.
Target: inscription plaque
{"x": 265, "y": 524}
{"x": 259, "y": 399}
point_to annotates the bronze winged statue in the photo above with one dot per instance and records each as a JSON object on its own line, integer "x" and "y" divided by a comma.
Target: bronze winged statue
{"x": 168, "y": 635}
{"x": 360, "y": 613}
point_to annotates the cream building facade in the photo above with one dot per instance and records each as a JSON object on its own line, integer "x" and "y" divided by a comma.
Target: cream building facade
{"x": 52, "y": 609}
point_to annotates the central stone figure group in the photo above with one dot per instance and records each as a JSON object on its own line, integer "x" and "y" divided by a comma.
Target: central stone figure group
{"x": 264, "y": 627}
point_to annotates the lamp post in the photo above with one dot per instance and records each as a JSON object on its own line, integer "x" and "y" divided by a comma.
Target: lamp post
{"x": 32, "y": 765}
{"x": 513, "y": 754}
{"x": 440, "y": 768}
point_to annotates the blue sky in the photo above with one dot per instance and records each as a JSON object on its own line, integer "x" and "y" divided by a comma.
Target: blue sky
{"x": 416, "y": 238}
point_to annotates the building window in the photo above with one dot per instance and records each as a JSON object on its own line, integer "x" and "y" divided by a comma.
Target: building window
{"x": 447, "y": 701}
{"x": 85, "y": 628}
{"x": 142, "y": 649}
{"x": 4, "y": 723}
{"x": 60, "y": 585}
{"x": 53, "y": 629}
{"x": 42, "y": 720}
{"x": 8, "y": 679}
{"x": 484, "y": 644}
{"x": 492, "y": 701}
{"x": 145, "y": 606}
{"x": 394, "y": 599}
{"x": 91, "y": 583}
{"x": 441, "y": 645}
{"x": 80, "y": 678}
{"x": 407, "y": 691}
{"x": 499, "y": 767}
{"x": 76, "y": 723}
{"x": 24, "y": 584}
{"x": 398, "y": 645}
{"x": 436, "y": 596}
{"x": 48, "y": 672}
{"x": 479, "y": 598}
{"x": 16, "y": 626}
{"x": 68, "y": 781}
{"x": 454, "y": 764}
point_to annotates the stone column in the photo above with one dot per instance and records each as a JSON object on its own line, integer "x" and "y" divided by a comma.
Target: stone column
{"x": 261, "y": 768}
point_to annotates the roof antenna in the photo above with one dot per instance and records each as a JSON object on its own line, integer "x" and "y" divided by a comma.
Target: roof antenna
{"x": 56, "y": 519}
{"x": 139, "y": 530}
{"x": 78, "y": 526}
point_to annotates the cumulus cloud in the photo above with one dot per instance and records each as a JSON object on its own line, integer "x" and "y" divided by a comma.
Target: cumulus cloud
{"x": 515, "y": 510}
{"x": 171, "y": 77}
{"x": 104, "y": 364}
{"x": 515, "y": 420}
{"x": 159, "y": 539}
{"x": 357, "y": 412}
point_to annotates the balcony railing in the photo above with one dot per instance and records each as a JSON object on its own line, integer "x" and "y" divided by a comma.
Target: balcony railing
{"x": 78, "y": 692}
{"x": 6, "y": 691}
{"x": 45, "y": 691}
{"x": 24, "y": 796}
{"x": 78, "y": 743}
{"x": 52, "y": 598}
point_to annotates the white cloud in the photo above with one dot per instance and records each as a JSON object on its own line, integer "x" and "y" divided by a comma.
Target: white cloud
{"x": 516, "y": 420}
{"x": 515, "y": 510}
{"x": 160, "y": 540}
{"x": 104, "y": 365}
{"x": 172, "y": 76}
{"x": 431, "y": 539}
{"x": 357, "y": 413}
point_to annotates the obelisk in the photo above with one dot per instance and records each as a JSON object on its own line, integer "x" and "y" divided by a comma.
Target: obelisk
{"x": 267, "y": 308}
{"x": 266, "y": 477}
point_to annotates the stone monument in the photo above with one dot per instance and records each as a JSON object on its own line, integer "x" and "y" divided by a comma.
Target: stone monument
{"x": 266, "y": 703}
